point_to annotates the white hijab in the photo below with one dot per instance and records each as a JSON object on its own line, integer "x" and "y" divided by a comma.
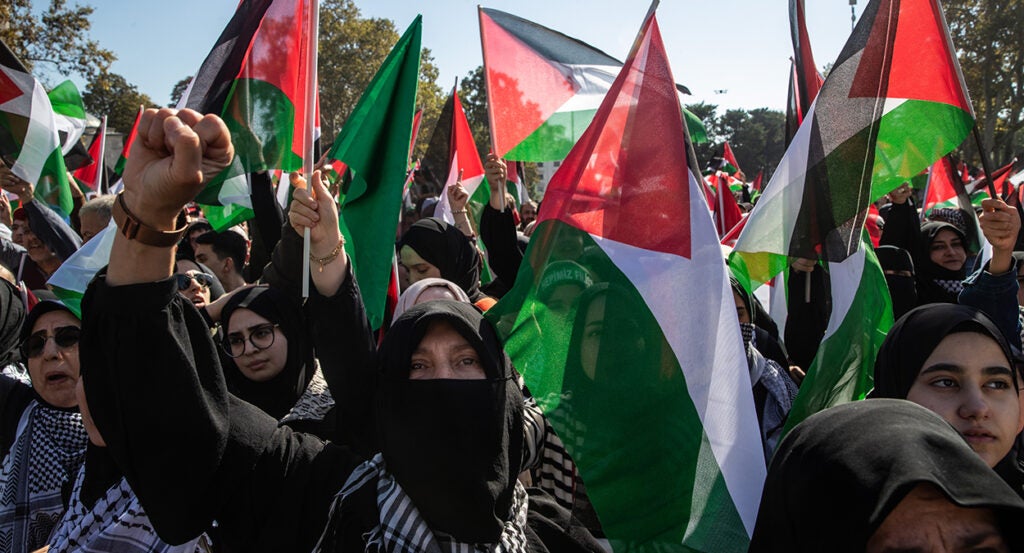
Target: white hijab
{"x": 412, "y": 294}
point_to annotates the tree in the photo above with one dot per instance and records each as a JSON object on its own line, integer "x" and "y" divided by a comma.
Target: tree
{"x": 473, "y": 94}
{"x": 54, "y": 43}
{"x": 989, "y": 37}
{"x": 179, "y": 90}
{"x": 351, "y": 50}
{"x": 112, "y": 95}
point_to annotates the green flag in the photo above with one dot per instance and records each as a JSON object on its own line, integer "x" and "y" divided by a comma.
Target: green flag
{"x": 374, "y": 144}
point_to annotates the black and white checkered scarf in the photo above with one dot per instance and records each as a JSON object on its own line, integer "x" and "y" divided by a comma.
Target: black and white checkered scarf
{"x": 48, "y": 450}
{"x": 116, "y": 522}
{"x": 314, "y": 403}
{"x": 401, "y": 528}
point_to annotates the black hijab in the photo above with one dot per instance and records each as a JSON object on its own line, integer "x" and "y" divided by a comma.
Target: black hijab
{"x": 902, "y": 289}
{"x": 278, "y": 395}
{"x": 861, "y": 459}
{"x": 445, "y": 247}
{"x": 12, "y": 317}
{"x": 929, "y": 290}
{"x": 455, "y": 446}
{"x": 915, "y": 336}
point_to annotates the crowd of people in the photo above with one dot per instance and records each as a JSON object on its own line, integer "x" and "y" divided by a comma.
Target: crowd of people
{"x": 198, "y": 403}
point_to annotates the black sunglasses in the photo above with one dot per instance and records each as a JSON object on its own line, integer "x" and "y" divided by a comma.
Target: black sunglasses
{"x": 64, "y": 336}
{"x": 185, "y": 281}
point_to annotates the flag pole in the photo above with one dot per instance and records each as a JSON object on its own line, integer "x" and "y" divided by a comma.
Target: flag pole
{"x": 984, "y": 163}
{"x": 487, "y": 87}
{"x": 309, "y": 125}
{"x": 97, "y": 184}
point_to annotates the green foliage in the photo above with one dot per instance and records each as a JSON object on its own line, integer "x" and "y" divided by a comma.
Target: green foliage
{"x": 352, "y": 48}
{"x": 112, "y": 95}
{"x": 756, "y": 137}
{"x": 989, "y": 38}
{"x": 55, "y": 43}
{"x": 179, "y": 89}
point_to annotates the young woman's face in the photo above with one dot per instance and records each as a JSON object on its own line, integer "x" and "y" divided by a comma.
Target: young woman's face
{"x": 947, "y": 250}
{"x": 268, "y": 357}
{"x": 418, "y": 267}
{"x": 969, "y": 382}
{"x": 444, "y": 354}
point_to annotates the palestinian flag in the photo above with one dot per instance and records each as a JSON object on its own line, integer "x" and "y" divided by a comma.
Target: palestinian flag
{"x": 72, "y": 278}
{"x": 126, "y": 148}
{"x": 543, "y": 87}
{"x": 731, "y": 165}
{"x": 29, "y": 139}
{"x": 804, "y": 79}
{"x": 69, "y": 113}
{"x": 727, "y": 212}
{"x": 652, "y": 402}
{"x": 944, "y": 188}
{"x": 255, "y": 77}
{"x": 893, "y": 104}
{"x": 465, "y": 161}
{"x": 843, "y": 368}
{"x": 374, "y": 145}
{"x": 515, "y": 183}
{"x": 91, "y": 176}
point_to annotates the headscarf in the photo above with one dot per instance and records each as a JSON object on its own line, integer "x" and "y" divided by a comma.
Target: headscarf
{"x": 934, "y": 282}
{"x": 915, "y": 336}
{"x": 758, "y": 316}
{"x": 445, "y": 247}
{"x": 12, "y": 317}
{"x": 866, "y": 456}
{"x": 412, "y": 293}
{"x": 454, "y": 446}
{"x": 902, "y": 289}
{"x": 279, "y": 394}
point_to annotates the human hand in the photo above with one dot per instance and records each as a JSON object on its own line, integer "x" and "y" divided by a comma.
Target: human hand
{"x": 803, "y": 265}
{"x": 1000, "y": 223}
{"x": 175, "y": 154}
{"x": 457, "y": 195}
{"x": 15, "y": 185}
{"x": 900, "y": 195}
{"x": 496, "y": 171}
{"x": 318, "y": 213}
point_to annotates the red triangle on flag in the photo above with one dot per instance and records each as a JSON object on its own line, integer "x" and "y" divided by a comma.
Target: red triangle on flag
{"x": 9, "y": 89}
{"x": 627, "y": 178}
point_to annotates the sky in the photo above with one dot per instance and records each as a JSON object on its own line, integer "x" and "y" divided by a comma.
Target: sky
{"x": 732, "y": 53}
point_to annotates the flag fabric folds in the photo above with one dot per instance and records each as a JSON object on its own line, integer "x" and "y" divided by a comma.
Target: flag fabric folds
{"x": 91, "y": 176}
{"x": 652, "y": 402}
{"x": 374, "y": 145}
{"x": 804, "y": 79}
{"x": 29, "y": 138}
{"x": 893, "y": 104}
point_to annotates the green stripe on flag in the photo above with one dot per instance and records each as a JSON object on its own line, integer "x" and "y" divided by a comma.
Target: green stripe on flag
{"x": 599, "y": 365}
{"x": 553, "y": 140}
{"x": 843, "y": 368}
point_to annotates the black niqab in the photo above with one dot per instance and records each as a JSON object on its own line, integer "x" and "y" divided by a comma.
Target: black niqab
{"x": 902, "y": 289}
{"x": 915, "y": 336}
{"x": 445, "y": 247}
{"x": 838, "y": 475}
{"x": 455, "y": 446}
{"x": 278, "y": 395}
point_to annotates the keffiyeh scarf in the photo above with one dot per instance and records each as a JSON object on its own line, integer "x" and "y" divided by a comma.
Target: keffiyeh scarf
{"x": 401, "y": 528}
{"x": 48, "y": 449}
{"x": 314, "y": 403}
{"x": 116, "y": 522}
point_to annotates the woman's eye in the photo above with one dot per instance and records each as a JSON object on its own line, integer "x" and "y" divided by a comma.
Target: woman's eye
{"x": 999, "y": 385}
{"x": 416, "y": 366}
{"x": 262, "y": 333}
{"x": 469, "y": 361}
{"x": 944, "y": 383}
{"x": 235, "y": 340}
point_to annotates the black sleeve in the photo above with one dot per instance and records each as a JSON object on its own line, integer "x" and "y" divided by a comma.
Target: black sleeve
{"x": 14, "y": 398}
{"x": 190, "y": 451}
{"x": 807, "y": 321}
{"x": 266, "y": 231}
{"x": 498, "y": 233}
{"x": 285, "y": 268}
{"x": 52, "y": 230}
{"x": 346, "y": 347}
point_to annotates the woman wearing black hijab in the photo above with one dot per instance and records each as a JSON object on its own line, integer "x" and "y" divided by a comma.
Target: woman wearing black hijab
{"x": 898, "y": 267}
{"x": 839, "y": 476}
{"x": 433, "y": 248}
{"x": 940, "y": 263}
{"x": 953, "y": 360}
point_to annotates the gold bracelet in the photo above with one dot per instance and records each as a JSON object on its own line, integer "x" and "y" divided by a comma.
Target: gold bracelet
{"x": 323, "y": 261}
{"x": 459, "y": 211}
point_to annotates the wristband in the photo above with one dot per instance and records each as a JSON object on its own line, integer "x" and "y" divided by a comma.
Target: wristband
{"x": 133, "y": 229}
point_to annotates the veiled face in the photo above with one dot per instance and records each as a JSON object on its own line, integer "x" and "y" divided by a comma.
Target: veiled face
{"x": 927, "y": 521}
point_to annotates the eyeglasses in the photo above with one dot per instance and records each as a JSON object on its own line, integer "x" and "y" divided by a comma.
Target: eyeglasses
{"x": 261, "y": 338}
{"x": 185, "y": 281}
{"x": 64, "y": 336}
